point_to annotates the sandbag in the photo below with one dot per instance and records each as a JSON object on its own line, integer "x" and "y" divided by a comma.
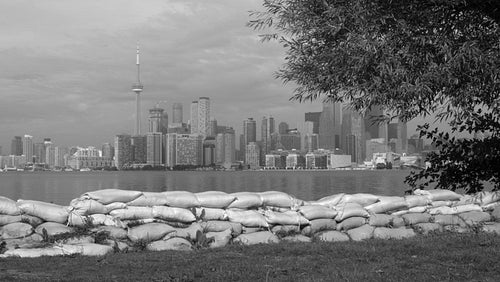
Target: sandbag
{"x": 363, "y": 232}
{"x": 317, "y": 211}
{"x": 107, "y": 196}
{"x": 112, "y": 232}
{"x": 76, "y": 240}
{"x": 427, "y": 227}
{"x": 220, "y": 239}
{"x": 8, "y": 207}
{"x": 317, "y": 225}
{"x": 218, "y": 226}
{"x": 249, "y": 218}
{"x": 387, "y": 204}
{"x": 173, "y": 214}
{"x": 105, "y": 219}
{"x": 45, "y": 211}
{"x": 262, "y": 237}
{"x": 115, "y": 205}
{"x": 455, "y": 209}
{"x": 246, "y": 200}
{"x": 393, "y": 233}
{"x": 35, "y": 253}
{"x": 181, "y": 199}
{"x": 285, "y": 229}
{"x": 211, "y": 214}
{"x": 349, "y": 210}
{"x": 133, "y": 213}
{"x": 278, "y": 199}
{"x": 215, "y": 199}
{"x": 285, "y": 218}
{"x": 149, "y": 199}
{"x": 415, "y": 218}
{"x": 6, "y": 219}
{"x": 15, "y": 230}
{"x": 350, "y": 223}
{"x": 248, "y": 230}
{"x": 86, "y": 207}
{"x": 475, "y": 217}
{"x": 436, "y": 204}
{"x": 417, "y": 209}
{"x": 174, "y": 244}
{"x": 297, "y": 238}
{"x": 32, "y": 241}
{"x": 416, "y": 200}
{"x": 449, "y": 219}
{"x": 486, "y": 197}
{"x": 495, "y": 214}
{"x": 149, "y": 232}
{"x": 188, "y": 232}
{"x": 32, "y": 220}
{"x": 362, "y": 199}
{"x": 329, "y": 201}
{"x": 86, "y": 249}
{"x": 332, "y": 236}
{"x": 53, "y": 228}
{"x": 491, "y": 207}
{"x": 397, "y": 222}
{"x": 380, "y": 220}
{"x": 438, "y": 194}
{"x": 491, "y": 228}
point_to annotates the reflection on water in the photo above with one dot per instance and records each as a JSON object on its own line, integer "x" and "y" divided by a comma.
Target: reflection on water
{"x": 61, "y": 187}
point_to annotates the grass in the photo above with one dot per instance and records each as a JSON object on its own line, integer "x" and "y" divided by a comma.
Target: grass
{"x": 437, "y": 257}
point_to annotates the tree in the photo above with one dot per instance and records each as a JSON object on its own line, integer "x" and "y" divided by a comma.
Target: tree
{"x": 438, "y": 58}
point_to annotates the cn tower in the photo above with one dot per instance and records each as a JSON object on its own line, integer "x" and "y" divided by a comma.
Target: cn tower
{"x": 137, "y": 88}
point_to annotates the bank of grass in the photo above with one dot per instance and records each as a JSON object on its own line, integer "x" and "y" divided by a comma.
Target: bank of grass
{"x": 441, "y": 257}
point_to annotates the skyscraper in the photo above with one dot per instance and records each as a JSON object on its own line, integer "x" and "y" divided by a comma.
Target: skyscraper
{"x": 177, "y": 113}
{"x": 283, "y": 127}
{"x": 194, "y": 117}
{"x": 123, "y": 150}
{"x": 183, "y": 149}
{"x": 267, "y": 128}
{"x": 314, "y": 118}
{"x": 330, "y": 126}
{"x": 252, "y": 155}
{"x": 139, "y": 149}
{"x": 137, "y": 89}
{"x": 212, "y": 132}
{"x": 28, "y": 148}
{"x": 225, "y": 147}
{"x": 155, "y": 118}
{"x": 16, "y": 147}
{"x": 164, "y": 123}
{"x": 108, "y": 151}
{"x": 353, "y": 135}
{"x": 154, "y": 148}
{"x": 203, "y": 116}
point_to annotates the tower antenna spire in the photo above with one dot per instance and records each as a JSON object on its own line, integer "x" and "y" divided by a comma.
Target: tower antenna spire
{"x": 137, "y": 88}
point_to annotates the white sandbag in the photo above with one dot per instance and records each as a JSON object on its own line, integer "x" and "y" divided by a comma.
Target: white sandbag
{"x": 421, "y": 209}
{"x": 249, "y": 218}
{"x": 113, "y": 232}
{"x": 387, "y": 204}
{"x": 417, "y": 200}
{"x": 475, "y": 217}
{"x": 448, "y": 219}
{"x": 380, "y": 220}
{"x": 211, "y": 214}
{"x": 86, "y": 249}
{"x": 219, "y": 239}
{"x": 181, "y": 199}
{"x": 362, "y": 199}
{"x": 320, "y": 224}
{"x": 246, "y": 200}
{"x": 6, "y": 219}
{"x": 215, "y": 199}
{"x": 279, "y": 199}
{"x": 105, "y": 219}
{"x": 45, "y": 211}
{"x": 350, "y": 223}
{"x": 32, "y": 241}
{"x": 332, "y": 236}
{"x": 86, "y": 206}
{"x": 107, "y": 196}
{"x": 415, "y": 218}
{"x": 188, "y": 232}
{"x": 486, "y": 197}
{"x": 285, "y": 229}
{"x": 76, "y": 240}
{"x": 400, "y": 213}
{"x": 149, "y": 199}
{"x": 262, "y": 237}
{"x": 78, "y": 220}
{"x": 133, "y": 213}
{"x": 35, "y": 253}
{"x": 491, "y": 206}
{"x": 436, "y": 204}
{"x": 15, "y": 230}
{"x": 317, "y": 211}
{"x": 248, "y": 230}
{"x": 173, "y": 244}
{"x": 149, "y": 232}
{"x": 32, "y": 220}
{"x": 393, "y": 233}
{"x": 491, "y": 228}
{"x": 438, "y": 194}
{"x": 455, "y": 209}
{"x": 53, "y": 228}
{"x": 173, "y": 214}
{"x": 349, "y": 210}
{"x": 297, "y": 238}
{"x": 330, "y": 201}
{"x": 397, "y": 222}
{"x": 363, "y": 232}
{"x": 218, "y": 226}
{"x": 8, "y": 207}
{"x": 285, "y": 218}
{"x": 427, "y": 227}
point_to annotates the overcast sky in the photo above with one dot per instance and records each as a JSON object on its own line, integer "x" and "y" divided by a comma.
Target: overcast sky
{"x": 68, "y": 66}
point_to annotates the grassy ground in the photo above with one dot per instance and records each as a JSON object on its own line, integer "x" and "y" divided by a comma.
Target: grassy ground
{"x": 444, "y": 257}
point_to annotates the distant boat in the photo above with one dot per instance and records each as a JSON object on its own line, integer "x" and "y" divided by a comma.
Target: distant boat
{"x": 85, "y": 169}
{"x": 68, "y": 169}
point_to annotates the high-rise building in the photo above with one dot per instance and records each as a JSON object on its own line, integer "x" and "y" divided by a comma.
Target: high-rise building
{"x": 225, "y": 147}
{"x": 209, "y": 151}
{"x": 311, "y": 142}
{"x": 249, "y": 131}
{"x": 283, "y": 127}
{"x": 212, "y": 132}
{"x": 123, "y": 150}
{"x": 39, "y": 152}
{"x": 59, "y": 156}
{"x": 177, "y": 113}
{"x": 314, "y": 118}
{"x": 137, "y": 88}
{"x": 16, "y": 147}
{"x": 28, "y": 148}
{"x": 204, "y": 116}
{"x": 330, "y": 126}
{"x": 290, "y": 140}
{"x": 194, "y": 117}
{"x": 108, "y": 151}
{"x": 373, "y": 128}
{"x": 50, "y": 157}
{"x": 139, "y": 149}
{"x": 353, "y": 135}
{"x": 415, "y": 145}
{"x": 164, "y": 123}
{"x": 267, "y": 128}
{"x": 252, "y": 155}
{"x": 154, "y": 149}
{"x": 155, "y": 119}
{"x": 184, "y": 149}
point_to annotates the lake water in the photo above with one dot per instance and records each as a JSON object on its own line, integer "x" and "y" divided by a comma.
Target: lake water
{"x": 62, "y": 187}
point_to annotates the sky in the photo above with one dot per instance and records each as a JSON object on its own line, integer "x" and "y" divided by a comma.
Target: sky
{"x": 68, "y": 66}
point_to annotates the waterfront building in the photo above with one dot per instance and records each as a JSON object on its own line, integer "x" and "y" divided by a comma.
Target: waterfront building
{"x": 189, "y": 149}
{"x": 209, "y": 151}
{"x": 225, "y": 147}
{"x": 267, "y": 128}
{"x": 313, "y": 117}
{"x": 139, "y": 149}
{"x": 291, "y": 140}
{"x": 203, "y": 116}
{"x": 353, "y": 135}
{"x": 377, "y": 145}
{"x": 88, "y": 157}
{"x": 50, "y": 155}
{"x": 164, "y": 123}
{"x": 123, "y": 150}
{"x": 155, "y": 118}
{"x": 330, "y": 126}
{"x": 177, "y": 113}
{"x": 59, "y": 153}
{"x": 249, "y": 134}
{"x": 16, "y": 147}
{"x": 28, "y": 148}
{"x": 339, "y": 161}
{"x": 39, "y": 152}
{"x": 108, "y": 150}
{"x": 397, "y": 137}
{"x": 194, "y": 118}
{"x": 316, "y": 160}
{"x": 170, "y": 141}
{"x": 154, "y": 149}
{"x": 294, "y": 160}
{"x": 212, "y": 129}
{"x": 252, "y": 155}
{"x": 283, "y": 127}
{"x": 274, "y": 161}
{"x": 311, "y": 142}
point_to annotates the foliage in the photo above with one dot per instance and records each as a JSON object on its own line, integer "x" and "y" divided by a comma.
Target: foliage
{"x": 418, "y": 58}
{"x": 202, "y": 242}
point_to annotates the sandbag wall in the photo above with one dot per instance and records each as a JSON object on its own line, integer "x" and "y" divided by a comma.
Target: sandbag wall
{"x": 104, "y": 221}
